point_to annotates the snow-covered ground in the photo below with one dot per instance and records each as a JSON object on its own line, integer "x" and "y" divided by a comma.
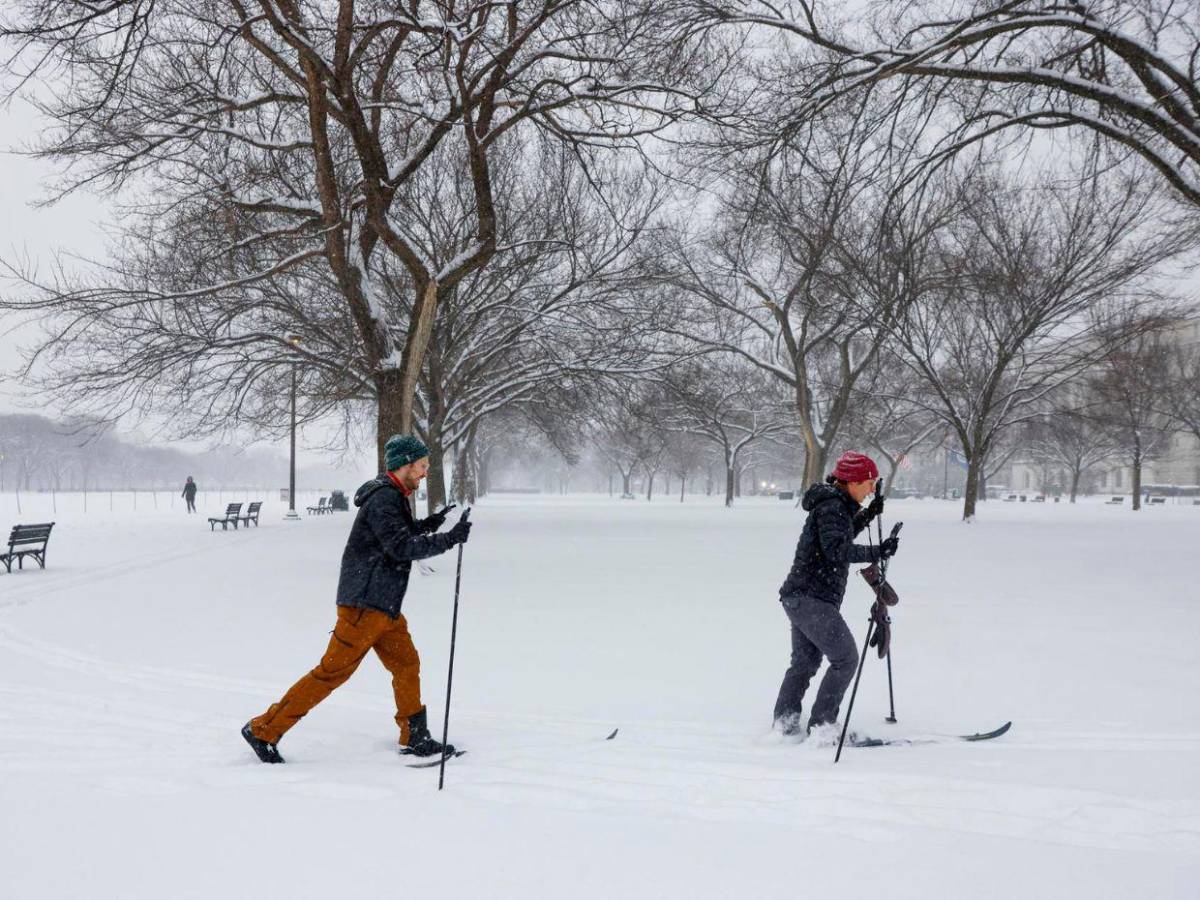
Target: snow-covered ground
{"x": 127, "y": 668}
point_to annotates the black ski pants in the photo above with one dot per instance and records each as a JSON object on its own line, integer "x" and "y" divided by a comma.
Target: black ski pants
{"x": 818, "y": 629}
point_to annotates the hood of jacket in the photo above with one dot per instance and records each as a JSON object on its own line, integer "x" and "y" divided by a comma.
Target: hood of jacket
{"x": 377, "y": 483}
{"x": 819, "y": 493}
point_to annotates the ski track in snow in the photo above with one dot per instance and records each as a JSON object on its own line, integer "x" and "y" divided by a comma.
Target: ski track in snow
{"x": 118, "y": 727}
{"x": 647, "y": 768}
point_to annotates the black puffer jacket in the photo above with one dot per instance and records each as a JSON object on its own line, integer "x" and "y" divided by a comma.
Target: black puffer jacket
{"x": 827, "y": 547}
{"x": 383, "y": 542}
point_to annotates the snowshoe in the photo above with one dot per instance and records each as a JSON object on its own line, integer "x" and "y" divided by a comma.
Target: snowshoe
{"x": 420, "y": 741}
{"x": 264, "y": 750}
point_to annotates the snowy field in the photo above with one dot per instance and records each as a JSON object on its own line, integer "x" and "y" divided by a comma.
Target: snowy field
{"x": 127, "y": 668}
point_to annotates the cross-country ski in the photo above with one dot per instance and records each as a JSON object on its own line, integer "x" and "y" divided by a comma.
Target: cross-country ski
{"x": 860, "y": 741}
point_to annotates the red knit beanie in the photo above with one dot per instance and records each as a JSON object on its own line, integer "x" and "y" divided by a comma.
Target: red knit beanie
{"x": 853, "y": 466}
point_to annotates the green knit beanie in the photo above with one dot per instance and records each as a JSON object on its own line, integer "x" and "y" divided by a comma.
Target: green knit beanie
{"x": 400, "y": 450}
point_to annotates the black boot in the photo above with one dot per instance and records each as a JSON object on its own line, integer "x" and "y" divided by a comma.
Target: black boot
{"x": 420, "y": 741}
{"x": 265, "y": 751}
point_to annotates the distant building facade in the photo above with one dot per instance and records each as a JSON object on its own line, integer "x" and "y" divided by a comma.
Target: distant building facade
{"x": 1177, "y": 466}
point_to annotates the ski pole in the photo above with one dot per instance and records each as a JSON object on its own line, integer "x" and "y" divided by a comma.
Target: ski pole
{"x": 450, "y": 674}
{"x": 891, "y": 719}
{"x": 862, "y": 657}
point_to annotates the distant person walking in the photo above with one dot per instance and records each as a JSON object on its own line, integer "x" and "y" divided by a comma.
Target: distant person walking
{"x": 812, "y": 594}
{"x": 383, "y": 542}
{"x": 189, "y": 494}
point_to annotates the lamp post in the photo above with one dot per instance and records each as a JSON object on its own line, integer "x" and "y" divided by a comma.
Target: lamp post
{"x": 292, "y": 515}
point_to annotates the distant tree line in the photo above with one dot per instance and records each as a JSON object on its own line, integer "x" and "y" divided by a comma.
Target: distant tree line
{"x": 39, "y": 454}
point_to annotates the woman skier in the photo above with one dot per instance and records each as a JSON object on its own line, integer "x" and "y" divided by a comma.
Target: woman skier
{"x": 812, "y": 594}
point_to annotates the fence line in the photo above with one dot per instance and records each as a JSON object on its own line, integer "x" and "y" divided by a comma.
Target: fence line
{"x": 52, "y": 502}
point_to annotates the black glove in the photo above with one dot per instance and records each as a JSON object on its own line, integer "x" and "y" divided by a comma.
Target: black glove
{"x": 888, "y": 548}
{"x": 884, "y": 592}
{"x": 866, "y": 516}
{"x": 881, "y": 638}
{"x": 437, "y": 520}
{"x": 460, "y": 532}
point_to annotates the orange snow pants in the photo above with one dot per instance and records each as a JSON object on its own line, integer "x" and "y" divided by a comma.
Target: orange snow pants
{"x": 356, "y": 632}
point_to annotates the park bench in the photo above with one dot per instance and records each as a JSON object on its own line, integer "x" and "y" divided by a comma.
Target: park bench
{"x": 232, "y": 513}
{"x": 1157, "y": 501}
{"x": 1011, "y": 498}
{"x": 21, "y": 543}
{"x": 1040, "y": 498}
{"x": 1115, "y": 501}
{"x": 320, "y": 508}
{"x": 251, "y": 515}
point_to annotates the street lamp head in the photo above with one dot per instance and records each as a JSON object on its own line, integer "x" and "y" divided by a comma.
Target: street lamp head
{"x": 294, "y": 340}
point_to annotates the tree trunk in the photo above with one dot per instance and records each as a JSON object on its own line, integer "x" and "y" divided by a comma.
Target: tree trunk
{"x": 1075, "y": 473}
{"x": 420, "y": 330}
{"x": 815, "y": 459}
{"x": 481, "y": 471}
{"x": 1137, "y": 478}
{"x": 435, "y": 482}
{"x": 649, "y": 485}
{"x": 971, "y": 489}
{"x": 730, "y": 479}
{"x": 627, "y": 483}
{"x": 610, "y": 481}
{"x": 682, "y": 487}
{"x": 893, "y": 468}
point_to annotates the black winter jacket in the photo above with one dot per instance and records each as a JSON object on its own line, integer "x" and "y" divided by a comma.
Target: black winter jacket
{"x": 383, "y": 542}
{"x": 826, "y": 548}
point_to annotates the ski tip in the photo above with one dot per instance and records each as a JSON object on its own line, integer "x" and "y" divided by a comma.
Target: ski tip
{"x": 437, "y": 762}
{"x": 988, "y": 735}
{"x": 613, "y": 735}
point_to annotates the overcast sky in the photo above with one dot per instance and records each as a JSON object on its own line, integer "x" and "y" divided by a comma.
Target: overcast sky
{"x": 25, "y": 230}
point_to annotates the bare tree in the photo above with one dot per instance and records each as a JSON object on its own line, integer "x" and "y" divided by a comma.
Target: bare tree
{"x": 728, "y": 403}
{"x": 295, "y": 129}
{"x": 684, "y": 454}
{"x": 887, "y": 414}
{"x": 815, "y": 257}
{"x": 548, "y": 308}
{"x": 1124, "y": 70}
{"x": 623, "y": 427}
{"x": 1069, "y": 437}
{"x": 1180, "y": 401}
{"x": 1128, "y": 387}
{"x": 1033, "y": 268}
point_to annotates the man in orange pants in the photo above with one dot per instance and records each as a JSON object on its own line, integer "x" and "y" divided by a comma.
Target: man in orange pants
{"x": 383, "y": 542}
